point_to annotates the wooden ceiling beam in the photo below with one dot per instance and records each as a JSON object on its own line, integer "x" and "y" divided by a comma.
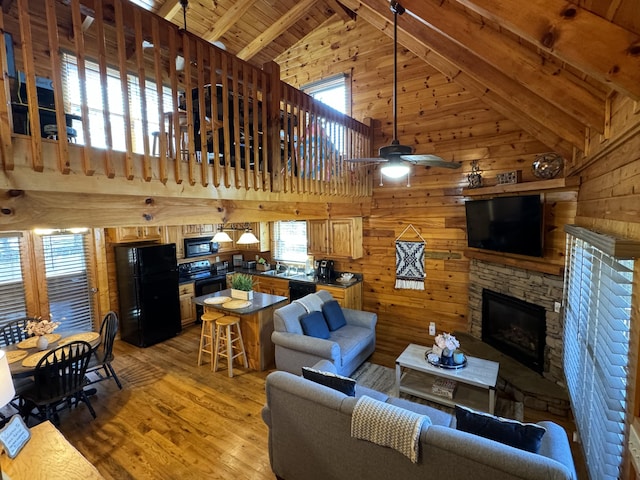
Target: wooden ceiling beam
{"x": 590, "y": 43}
{"x": 169, "y": 9}
{"x": 343, "y": 12}
{"x": 513, "y": 59}
{"x": 276, "y": 29}
{"x": 547, "y": 130}
{"x": 228, "y": 19}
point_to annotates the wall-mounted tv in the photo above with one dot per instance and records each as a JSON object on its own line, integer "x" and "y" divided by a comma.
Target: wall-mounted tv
{"x": 506, "y": 224}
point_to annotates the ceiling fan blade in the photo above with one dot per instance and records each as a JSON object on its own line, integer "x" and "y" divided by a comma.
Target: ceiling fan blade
{"x": 430, "y": 161}
{"x": 366, "y": 160}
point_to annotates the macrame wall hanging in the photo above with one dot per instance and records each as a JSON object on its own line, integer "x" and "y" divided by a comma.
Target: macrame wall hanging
{"x": 410, "y": 261}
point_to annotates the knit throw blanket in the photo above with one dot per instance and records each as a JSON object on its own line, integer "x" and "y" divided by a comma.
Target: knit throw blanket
{"x": 410, "y": 265}
{"x": 388, "y": 425}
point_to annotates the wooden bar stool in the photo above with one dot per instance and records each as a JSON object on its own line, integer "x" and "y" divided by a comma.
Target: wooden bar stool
{"x": 207, "y": 335}
{"x": 232, "y": 342}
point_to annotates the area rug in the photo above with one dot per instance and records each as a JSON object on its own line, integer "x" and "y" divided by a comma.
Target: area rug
{"x": 383, "y": 379}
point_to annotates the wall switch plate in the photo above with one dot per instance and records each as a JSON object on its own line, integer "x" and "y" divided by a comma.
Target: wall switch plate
{"x": 217, "y": 259}
{"x": 556, "y": 307}
{"x": 432, "y": 329}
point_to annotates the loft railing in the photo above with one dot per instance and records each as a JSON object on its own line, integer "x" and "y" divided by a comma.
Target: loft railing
{"x": 142, "y": 99}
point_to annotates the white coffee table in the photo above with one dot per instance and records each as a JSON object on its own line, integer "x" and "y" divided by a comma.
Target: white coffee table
{"x": 415, "y": 376}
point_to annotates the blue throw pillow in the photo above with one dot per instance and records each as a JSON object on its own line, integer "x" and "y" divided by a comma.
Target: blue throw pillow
{"x": 333, "y": 315}
{"x": 314, "y": 325}
{"x": 525, "y": 436}
{"x": 345, "y": 385}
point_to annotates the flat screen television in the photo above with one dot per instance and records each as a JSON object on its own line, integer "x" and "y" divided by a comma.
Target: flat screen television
{"x": 506, "y": 224}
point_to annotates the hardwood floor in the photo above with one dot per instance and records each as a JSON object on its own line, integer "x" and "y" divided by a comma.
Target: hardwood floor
{"x": 174, "y": 420}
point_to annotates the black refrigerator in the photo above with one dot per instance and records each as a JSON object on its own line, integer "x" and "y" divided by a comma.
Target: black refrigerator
{"x": 148, "y": 293}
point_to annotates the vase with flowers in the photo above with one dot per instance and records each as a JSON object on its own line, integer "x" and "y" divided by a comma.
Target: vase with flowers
{"x": 446, "y": 345}
{"x": 41, "y": 327}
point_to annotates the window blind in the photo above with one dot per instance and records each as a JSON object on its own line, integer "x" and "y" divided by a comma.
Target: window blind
{"x": 68, "y": 281}
{"x": 12, "y": 296}
{"x": 290, "y": 241}
{"x": 598, "y": 290}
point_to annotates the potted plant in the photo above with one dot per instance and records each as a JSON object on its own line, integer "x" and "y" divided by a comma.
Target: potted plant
{"x": 263, "y": 265}
{"x": 242, "y": 286}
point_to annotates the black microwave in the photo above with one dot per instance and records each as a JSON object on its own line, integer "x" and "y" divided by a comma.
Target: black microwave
{"x": 198, "y": 247}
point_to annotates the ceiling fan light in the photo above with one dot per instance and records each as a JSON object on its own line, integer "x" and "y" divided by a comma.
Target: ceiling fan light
{"x": 395, "y": 169}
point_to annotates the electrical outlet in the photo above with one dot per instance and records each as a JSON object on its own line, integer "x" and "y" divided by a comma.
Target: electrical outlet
{"x": 556, "y": 307}
{"x": 217, "y": 258}
{"x": 432, "y": 329}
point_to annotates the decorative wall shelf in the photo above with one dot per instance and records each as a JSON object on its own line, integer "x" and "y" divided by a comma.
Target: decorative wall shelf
{"x": 538, "y": 186}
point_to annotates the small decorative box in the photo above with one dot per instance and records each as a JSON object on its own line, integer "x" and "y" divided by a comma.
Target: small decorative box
{"x": 509, "y": 177}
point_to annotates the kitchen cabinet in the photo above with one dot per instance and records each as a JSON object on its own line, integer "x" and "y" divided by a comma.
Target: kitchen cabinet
{"x": 197, "y": 230}
{"x": 173, "y": 234}
{"x": 272, "y": 286}
{"x": 349, "y": 297}
{"x": 261, "y": 231}
{"x": 341, "y": 237}
{"x": 134, "y": 234}
{"x": 187, "y": 307}
{"x": 229, "y": 246}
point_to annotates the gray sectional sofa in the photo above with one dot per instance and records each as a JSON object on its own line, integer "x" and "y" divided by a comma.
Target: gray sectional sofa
{"x": 346, "y": 348}
{"x": 309, "y": 439}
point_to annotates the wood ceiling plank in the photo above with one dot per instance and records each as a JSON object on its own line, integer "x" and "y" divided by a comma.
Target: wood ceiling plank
{"x": 597, "y": 47}
{"x": 513, "y": 59}
{"x": 228, "y": 19}
{"x": 168, "y": 9}
{"x": 544, "y": 129}
{"x": 276, "y": 29}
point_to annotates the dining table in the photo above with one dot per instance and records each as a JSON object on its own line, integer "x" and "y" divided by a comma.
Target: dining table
{"x": 24, "y": 356}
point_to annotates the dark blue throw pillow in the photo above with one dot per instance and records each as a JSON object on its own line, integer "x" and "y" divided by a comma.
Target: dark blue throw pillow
{"x": 314, "y": 325}
{"x": 525, "y": 436}
{"x": 333, "y": 315}
{"x": 345, "y": 385}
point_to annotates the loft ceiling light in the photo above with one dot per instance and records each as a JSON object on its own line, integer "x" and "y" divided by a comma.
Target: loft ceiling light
{"x": 397, "y": 157}
{"x": 221, "y": 236}
{"x": 247, "y": 237}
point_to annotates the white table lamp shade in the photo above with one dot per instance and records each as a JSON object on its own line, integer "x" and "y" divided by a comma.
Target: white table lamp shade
{"x": 7, "y": 391}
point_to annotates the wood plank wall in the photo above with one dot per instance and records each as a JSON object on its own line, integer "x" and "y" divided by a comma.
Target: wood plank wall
{"x": 434, "y": 116}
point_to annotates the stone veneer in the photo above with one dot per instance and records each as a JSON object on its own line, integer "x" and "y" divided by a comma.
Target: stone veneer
{"x": 533, "y": 287}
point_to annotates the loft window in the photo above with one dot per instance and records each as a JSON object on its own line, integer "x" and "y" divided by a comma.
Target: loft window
{"x": 330, "y": 91}
{"x": 12, "y": 292}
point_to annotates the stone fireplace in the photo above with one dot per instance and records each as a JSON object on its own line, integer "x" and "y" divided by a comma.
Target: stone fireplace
{"x": 540, "y": 290}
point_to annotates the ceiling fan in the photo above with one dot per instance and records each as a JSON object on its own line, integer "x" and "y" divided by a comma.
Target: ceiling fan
{"x": 397, "y": 157}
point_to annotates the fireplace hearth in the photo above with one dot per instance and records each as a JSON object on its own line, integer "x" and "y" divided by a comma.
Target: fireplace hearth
{"x": 514, "y": 327}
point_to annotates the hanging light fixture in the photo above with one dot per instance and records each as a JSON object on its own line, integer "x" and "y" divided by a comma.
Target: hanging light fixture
{"x": 247, "y": 237}
{"x": 221, "y": 236}
{"x": 395, "y": 169}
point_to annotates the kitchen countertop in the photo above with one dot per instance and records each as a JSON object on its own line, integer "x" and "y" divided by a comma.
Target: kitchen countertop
{"x": 260, "y": 301}
{"x": 357, "y": 278}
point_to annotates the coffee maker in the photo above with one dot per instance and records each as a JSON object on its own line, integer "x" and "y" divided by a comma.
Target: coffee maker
{"x": 325, "y": 269}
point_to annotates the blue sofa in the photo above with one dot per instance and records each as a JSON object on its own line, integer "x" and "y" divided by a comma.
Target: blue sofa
{"x": 346, "y": 348}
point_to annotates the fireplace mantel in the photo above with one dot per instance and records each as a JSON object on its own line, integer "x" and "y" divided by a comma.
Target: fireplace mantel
{"x": 528, "y": 263}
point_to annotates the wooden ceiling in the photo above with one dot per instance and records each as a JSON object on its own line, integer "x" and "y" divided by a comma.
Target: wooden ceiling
{"x": 549, "y": 65}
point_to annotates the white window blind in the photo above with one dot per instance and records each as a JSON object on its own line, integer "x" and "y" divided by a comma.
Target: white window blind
{"x": 68, "y": 281}
{"x": 12, "y": 297}
{"x": 330, "y": 91}
{"x": 596, "y": 352}
{"x": 290, "y": 241}
{"x": 71, "y": 86}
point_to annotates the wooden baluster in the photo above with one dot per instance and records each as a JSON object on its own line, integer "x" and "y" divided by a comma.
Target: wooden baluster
{"x": 247, "y": 128}
{"x": 255, "y": 133}
{"x": 236, "y": 120}
{"x": 142, "y": 84}
{"x": 122, "y": 65}
{"x": 6, "y": 123}
{"x": 30, "y": 79}
{"x": 188, "y": 136}
{"x": 266, "y": 141}
{"x": 173, "y": 116}
{"x": 284, "y": 141}
{"x": 215, "y": 123}
{"x": 227, "y": 124}
{"x": 202, "y": 117}
{"x": 162, "y": 140}
{"x": 104, "y": 89}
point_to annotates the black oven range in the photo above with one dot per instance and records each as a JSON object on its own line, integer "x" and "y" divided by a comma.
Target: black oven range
{"x": 207, "y": 277}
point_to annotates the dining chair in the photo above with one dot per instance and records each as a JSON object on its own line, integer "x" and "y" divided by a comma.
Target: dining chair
{"x": 58, "y": 380}
{"x": 14, "y": 332}
{"x": 103, "y": 355}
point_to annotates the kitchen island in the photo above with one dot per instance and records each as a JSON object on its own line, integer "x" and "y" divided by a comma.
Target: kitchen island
{"x": 256, "y": 324}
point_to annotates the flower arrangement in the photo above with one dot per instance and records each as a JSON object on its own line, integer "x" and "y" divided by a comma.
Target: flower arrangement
{"x": 447, "y": 341}
{"x": 41, "y": 326}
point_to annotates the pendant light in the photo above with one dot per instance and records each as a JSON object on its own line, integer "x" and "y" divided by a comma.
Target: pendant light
{"x": 221, "y": 236}
{"x": 247, "y": 237}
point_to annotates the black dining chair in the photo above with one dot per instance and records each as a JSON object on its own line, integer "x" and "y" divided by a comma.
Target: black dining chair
{"x": 103, "y": 355}
{"x": 58, "y": 381}
{"x": 14, "y": 332}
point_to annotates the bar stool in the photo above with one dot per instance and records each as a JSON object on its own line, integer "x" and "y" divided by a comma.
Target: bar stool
{"x": 207, "y": 335}
{"x": 232, "y": 342}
